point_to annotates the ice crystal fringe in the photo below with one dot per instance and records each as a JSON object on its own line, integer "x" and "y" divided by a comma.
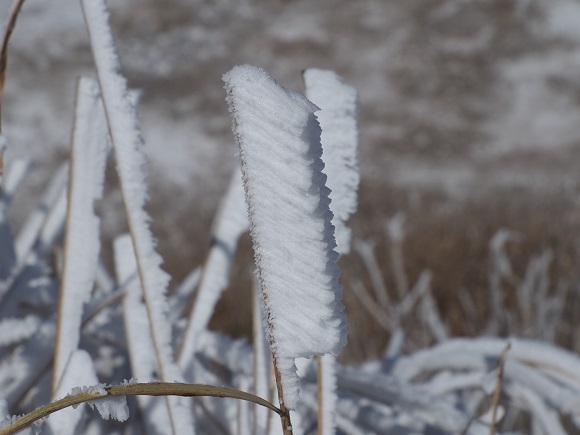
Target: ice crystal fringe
{"x": 288, "y": 202}
{"x": 78, "y": 370}
{"x": 127, "y": 141}
{"x": 338, "y": 120}
{"x": 113, "y": 407}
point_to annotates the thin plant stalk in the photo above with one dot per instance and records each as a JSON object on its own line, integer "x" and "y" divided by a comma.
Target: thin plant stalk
{"x": 498, "y": 387}
{"x": 15, "y": 11}
{"x": 138, "y": 389}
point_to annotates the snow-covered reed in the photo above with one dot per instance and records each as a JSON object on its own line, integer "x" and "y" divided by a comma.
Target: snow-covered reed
{"x": 338, "y": 120}
{"x": 82, "y": 241}
{"x": 288, "y": 203}
{"x": 127, "y": 141}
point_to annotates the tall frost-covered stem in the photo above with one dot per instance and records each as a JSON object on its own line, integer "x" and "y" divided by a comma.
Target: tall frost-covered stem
{"x": 290, "y": 223}
{"x": 139, "y": 342}
{"x": 338, "y": 119}
{"x": 81, "y": 245}
{"x": 127, "y": 141}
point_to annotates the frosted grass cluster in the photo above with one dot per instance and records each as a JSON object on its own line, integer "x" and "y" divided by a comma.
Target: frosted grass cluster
{"x": 124, "y": 329}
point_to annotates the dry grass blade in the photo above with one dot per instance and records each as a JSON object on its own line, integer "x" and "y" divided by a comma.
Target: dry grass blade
{"x": 498, "y": 387}
{"x": 4, "y": 50}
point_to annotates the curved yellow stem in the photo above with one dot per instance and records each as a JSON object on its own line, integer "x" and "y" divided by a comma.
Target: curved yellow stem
{"x": 139, "y": 389}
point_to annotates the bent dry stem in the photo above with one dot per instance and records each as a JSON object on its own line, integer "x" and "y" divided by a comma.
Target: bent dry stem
{"x": 139, "y": 389}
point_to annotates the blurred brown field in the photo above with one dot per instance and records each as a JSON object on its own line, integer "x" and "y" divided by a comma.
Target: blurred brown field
{"x": 469, "y": 115}
{"x": 452, "y": 241}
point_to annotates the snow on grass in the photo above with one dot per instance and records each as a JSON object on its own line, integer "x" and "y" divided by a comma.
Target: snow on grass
{"x": 338, "y": 120}
{"x": 14, "y": 174}
{"x": 32, "y": 226}
{"x": 14, "y": 330}
{"x": 139, "y": 341}
{"x": 27, "y": 364}
{"x": 127, "y": 141}
{"x": 79, "y": 371}
{"x": 231, "y": 222}
{"x": 108, "y": 407}
{"x": 279, "y": 141}
{"x": 82, "y": 244}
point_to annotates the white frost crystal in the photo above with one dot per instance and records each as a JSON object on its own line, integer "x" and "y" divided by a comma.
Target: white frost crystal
{"x": 109, "y": 407}
{"x": 288, "y": 203}
{"x": 338, "y": 119}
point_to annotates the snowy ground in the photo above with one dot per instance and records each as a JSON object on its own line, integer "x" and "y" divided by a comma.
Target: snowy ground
{"x": 470, "y": 111}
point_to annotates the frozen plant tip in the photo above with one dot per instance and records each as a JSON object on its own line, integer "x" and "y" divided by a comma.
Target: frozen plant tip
{"x": 288, "y": 203}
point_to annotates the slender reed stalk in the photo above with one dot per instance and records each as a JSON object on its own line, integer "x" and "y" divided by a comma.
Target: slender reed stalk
{"x": 284, "y": 412}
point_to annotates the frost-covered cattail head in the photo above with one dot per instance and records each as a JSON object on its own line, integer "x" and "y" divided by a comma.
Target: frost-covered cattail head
{"x": 288, "y": 202}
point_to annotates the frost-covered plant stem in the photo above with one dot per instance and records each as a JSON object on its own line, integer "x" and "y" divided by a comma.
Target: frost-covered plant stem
{"x": 82, "y": 245}
{"x": 288, "y": 203}
{"x": 138, "y": 389}
{"x": 127, "y": 141}
{"x": 339, "y": 137}
{"x": 284, "y": 412}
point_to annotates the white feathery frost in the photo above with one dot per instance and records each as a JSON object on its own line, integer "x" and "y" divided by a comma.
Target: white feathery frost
{"x": 338, "y": 119}
{"x": 288, "y": 202}
{"x": 79, "y": 371}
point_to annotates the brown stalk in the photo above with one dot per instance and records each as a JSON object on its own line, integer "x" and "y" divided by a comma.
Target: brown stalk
{"x": 144, "y": 389}
{"x": 16, "y": 7}
{"x": 319, "y": 391}
{"x": 284, "y": 412}
{"x": 498, "y": 387}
